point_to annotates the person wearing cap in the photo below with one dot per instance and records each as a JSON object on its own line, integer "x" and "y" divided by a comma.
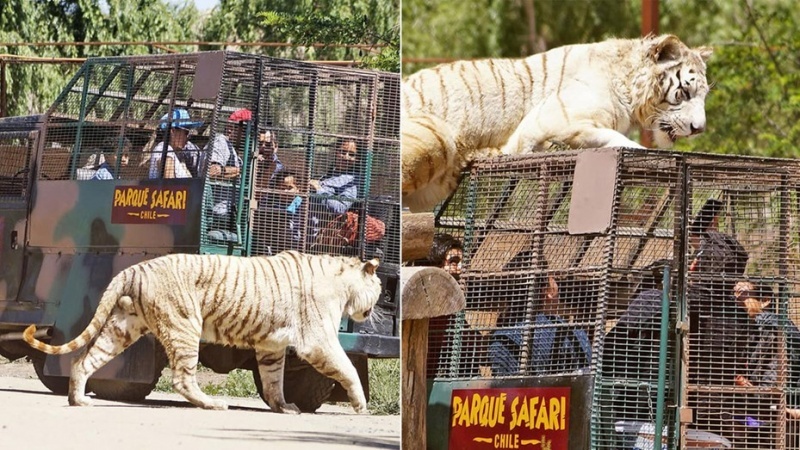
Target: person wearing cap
{"x": 182, "y": 155}
{"x": 224, "y": 163}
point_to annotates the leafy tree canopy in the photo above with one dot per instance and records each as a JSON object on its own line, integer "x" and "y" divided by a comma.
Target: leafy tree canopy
{"x": 753, "y": 107}
{"x": 374, "y": 24}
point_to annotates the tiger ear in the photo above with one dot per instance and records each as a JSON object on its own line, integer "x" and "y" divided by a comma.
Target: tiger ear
{"x": 704, "y": 52}
{"x": 370, "y": 266}
{"x": 665, "y": 48}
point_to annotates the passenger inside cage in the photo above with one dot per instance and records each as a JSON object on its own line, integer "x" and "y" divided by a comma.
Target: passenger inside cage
{"x": 103, "y": 163}
{"x": 719, "y": 260}
{"x": 182, "y": 155}
{"x": 761, "y": 362}
{"x": 554, "y": 345}
{"x": 333, "y": 220}
{"x": 225, "y": 166}
{"x": 279, "y": 209}
{"x": 631, "y": 349}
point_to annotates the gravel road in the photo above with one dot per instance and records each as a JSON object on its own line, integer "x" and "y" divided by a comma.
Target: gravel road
{"x": 31, "y": 415}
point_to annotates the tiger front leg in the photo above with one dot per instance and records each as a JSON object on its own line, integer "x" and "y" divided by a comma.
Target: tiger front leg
{"x": 270, "y": 370}
{"x": 331, "y": 361}
{"x": 580, "y": 120}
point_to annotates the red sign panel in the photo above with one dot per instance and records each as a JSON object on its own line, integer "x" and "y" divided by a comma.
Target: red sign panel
{"x": 150, "y": 204}
{"x": 498, "y": 418}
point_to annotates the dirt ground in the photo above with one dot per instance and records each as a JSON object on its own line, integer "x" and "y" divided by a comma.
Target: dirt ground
{"x": 166, "y": 419}
{"x": 22, "y": 368}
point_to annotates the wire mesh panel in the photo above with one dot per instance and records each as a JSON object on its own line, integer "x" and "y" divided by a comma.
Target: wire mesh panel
{"x": 336, "y": 136}
{"x": 17, "y": 139}
{"x": 529, "y": 311}
{"x": 738, "y": 271}
{"x": 646, "y": 236}
{"x": 565, "y": 259}
{"x": 294, "y": 155}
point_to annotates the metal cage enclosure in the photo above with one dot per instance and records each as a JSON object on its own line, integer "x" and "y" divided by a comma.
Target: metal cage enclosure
{"x": 565, "y": 258}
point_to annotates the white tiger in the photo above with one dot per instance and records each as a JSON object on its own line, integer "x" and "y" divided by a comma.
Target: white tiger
{"x": 582, "y": 96}
{"x": 265, "y": 303}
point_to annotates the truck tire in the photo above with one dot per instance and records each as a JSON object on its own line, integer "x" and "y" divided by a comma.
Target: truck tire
{"x": 128, "y": 391}
{"x": 57, "y": 385}
{"x": 121, "y": 391}
{"x": 302, "y": 385}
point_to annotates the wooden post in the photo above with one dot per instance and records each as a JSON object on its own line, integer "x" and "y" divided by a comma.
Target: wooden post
{"x": 426, "y": 292}
{"x": 649, "y": 26}
{"x": 3, "y": 88}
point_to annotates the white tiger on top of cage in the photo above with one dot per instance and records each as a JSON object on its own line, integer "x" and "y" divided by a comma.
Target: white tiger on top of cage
{"x": 582, "y": 96}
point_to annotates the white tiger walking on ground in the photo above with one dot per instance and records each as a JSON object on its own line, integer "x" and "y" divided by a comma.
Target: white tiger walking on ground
{"x": 583, "y": 96}
{"x": 265, "y": 303}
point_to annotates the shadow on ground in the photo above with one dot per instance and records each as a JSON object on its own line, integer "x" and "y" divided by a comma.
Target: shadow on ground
{"x": 311, "y": 437}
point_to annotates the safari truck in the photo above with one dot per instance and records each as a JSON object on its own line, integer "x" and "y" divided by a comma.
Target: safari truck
{"x": 87, "y": 189}
{"x": 621, "y": 299}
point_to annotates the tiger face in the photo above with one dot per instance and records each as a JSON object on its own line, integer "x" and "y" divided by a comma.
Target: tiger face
{"x": 367, "y": 290}
{"x": 681, "y": 111}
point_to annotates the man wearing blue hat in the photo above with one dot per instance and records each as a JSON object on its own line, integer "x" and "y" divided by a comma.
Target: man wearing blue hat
{"x": 183, "y": 157}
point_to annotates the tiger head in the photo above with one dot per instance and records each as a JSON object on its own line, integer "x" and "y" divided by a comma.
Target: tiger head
{"x": 674, "y": 89}
{"x": 365, "y": 291}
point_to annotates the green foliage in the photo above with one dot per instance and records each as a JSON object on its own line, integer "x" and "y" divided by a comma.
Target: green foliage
{"x": 384, "y": 386}
{"x": 32, "y": 88}
{"x": 238, "y": 384}
{"x": 753, "y": 107}
{"x": 497, "y": 28}
{"x": 363, "y": 23}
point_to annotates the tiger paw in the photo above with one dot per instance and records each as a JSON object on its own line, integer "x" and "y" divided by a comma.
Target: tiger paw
{"x": 79, "y": 400}
{"x": 288, "y": 408}
{"x": 216, "y": 404}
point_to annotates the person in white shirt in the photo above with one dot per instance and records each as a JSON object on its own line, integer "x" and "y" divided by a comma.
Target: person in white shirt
{"x": 182, "y": 155}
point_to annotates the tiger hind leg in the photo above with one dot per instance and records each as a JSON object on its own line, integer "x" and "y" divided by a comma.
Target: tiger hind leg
{"x": 270, "y": 370}
{"x": 182, "y": 353}
{"x": 119, "y": 332}
{"x": 430, "y": 162}
{"x": 331, "y": 361}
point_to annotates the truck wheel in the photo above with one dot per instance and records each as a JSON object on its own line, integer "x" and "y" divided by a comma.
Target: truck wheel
{"x": 57, "y": 385}
{"x": 121, "y": 391}
{"x": 302, "y": 385}
{"x": 128, "y": 391}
